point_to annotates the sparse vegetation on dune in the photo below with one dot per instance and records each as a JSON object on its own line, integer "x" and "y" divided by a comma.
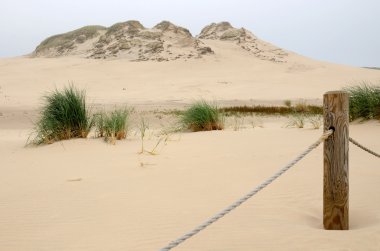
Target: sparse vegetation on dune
{"x": 99, "y": 121}
{"x": 281, "y": 110}
{"x": 113, "y": 126}
{"x": 202, "y": 116}
{"x": 66, "y": 40}
{"x": 300, "y": 120}
{"x": 316, "y": 121}
{"x": 372, "y": 68}
{"x": 288, "y": 103}
{"x": 119, "y": 26}
{"x": 143, "y": 127}
{"x": 297, "y": 120}
{"x": 63, "y": 116}
{"x": 364, "y": 101}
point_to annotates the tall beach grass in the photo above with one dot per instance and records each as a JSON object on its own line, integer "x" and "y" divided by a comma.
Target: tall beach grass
{"x": 202, "y": 116}
{"x": 63, "y": 116}
{"x": 113, "y": 125}
{"x": 364, "y": 101}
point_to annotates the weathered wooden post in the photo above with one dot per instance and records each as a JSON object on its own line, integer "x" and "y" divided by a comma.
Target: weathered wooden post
{"x": 335, "y": 161}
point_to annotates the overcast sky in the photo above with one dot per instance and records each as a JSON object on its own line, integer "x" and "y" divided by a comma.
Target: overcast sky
{"x": 340, "y": 31}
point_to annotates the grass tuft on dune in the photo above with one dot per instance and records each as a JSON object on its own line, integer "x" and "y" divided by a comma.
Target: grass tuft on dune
{"x": 63, "y": 116}
{"x": 364, "y": 101}
{"x": 202, "y": 116}
{"x": 67, "y": 40}
{"x": 112, "y": 125}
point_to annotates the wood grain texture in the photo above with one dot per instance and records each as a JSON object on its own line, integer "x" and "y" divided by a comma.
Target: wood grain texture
{"x": 335, "y": 158}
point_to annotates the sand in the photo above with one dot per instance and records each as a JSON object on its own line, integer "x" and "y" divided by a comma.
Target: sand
{"x": 231, "y": 74}
{"x": 85, "y": 194}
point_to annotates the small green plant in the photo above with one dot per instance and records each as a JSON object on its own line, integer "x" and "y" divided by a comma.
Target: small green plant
{"x": 116, "y": 124}
{"x": 143, "y": 127}
{"x": 99, "y": 121}
{"x": 63, "y": 116}
{"x": 202, "y": 116}
{"x": 364, "y": 101}
{"x": 288, "y": 103}
{"x": 315, "y": 121}
{"x": 301, "y": 107}
{"x": 161, "y": 140}
{"x": 238, "y": 123}
{"x": 256, "y": 122}
{"x": 297, "y": 120}
{"x": 112, "y": 126}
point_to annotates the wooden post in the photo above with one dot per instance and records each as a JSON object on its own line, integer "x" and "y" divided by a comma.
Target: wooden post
{"x": 335, "y": 161}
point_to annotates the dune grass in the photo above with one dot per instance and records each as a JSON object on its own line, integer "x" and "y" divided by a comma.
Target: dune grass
{"x": 202, "y": 116}
{"x": 113, "y": 125}
{"x": 364, "y": 101}
{"x": 288, "y": 103}
{"x": 99, "y": 122}
{"x": 66, "y": 39}
{"x": 63, "y": 116}
{"x": 143, "y": 127}
{"x": 281, "y": 110}
{"x": 297, "y": 120}
{"x": 316, "y": 121}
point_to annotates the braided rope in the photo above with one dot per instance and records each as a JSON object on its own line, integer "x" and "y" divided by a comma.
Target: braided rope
{"x": 364, "y": 148}
{"x": 247, "y": 196}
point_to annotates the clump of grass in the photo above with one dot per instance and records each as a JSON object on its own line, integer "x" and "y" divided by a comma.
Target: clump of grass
{"x": 113, "y": 126}
{"x": 256, "y": 122}
{"x": 202, "y": 116}
{"x": 162, "y": 139}
{"x": 301, "y": 107}
{"x": 297, "y": 120}
{"x": 143, "y": 127}
{"x": 288, "y": 103}
{"x": 364, "y": 101}
{"x": 99, "y": 122}
{"x": 282, "y": 110}
{"x": 315, "y": 121}
{"x": 63, "y": 116}
{"x": 238, "y": 123}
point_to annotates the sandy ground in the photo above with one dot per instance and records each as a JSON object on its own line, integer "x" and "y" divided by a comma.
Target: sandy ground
{"x": 89, "y": 195}
{"x": 86, "y": 194}
{"x": 230, "y": 75}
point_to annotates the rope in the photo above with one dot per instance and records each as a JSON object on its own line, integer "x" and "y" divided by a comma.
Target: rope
{"x": 247, "y": 196}
{"x": 364, "y": 148}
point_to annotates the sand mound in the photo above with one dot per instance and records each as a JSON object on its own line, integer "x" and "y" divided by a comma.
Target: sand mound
{"x": 70, "y": 43}
{"x": 163, "y": 42}
{"x": 245, "y": 39}
{"x": 130, "y": 40}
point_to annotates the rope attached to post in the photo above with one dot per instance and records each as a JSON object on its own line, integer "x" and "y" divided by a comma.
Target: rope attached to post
{"x": 247, "y": 196}
{"x": 364, "y": 148}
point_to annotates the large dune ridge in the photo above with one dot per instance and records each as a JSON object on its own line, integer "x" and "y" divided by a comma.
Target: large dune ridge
{"x": 240, "y": 66}
{"x": 85, "y": 194}
{"x": 230, "y": 74}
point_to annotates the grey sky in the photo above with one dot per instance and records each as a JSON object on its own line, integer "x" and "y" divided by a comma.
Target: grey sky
{"x": 340, "y": 31}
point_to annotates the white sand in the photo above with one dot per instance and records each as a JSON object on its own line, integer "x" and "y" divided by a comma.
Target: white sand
{"x": 85, "y": 194}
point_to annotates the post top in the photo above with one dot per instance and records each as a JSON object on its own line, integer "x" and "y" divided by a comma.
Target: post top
{"x": 336, "y": 92}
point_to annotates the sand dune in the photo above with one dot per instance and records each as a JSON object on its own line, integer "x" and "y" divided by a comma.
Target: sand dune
{"x": 232, "y": 75}
{"x": 241, "y": 67}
